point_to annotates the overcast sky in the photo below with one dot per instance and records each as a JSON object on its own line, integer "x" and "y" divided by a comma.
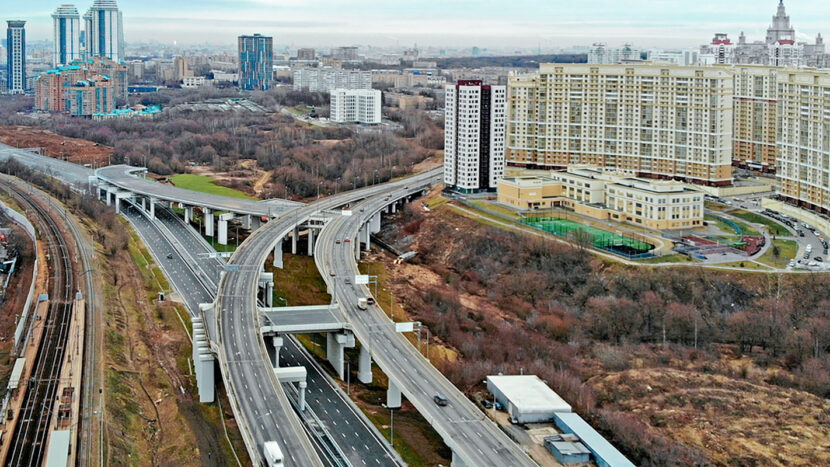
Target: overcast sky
{"x": 449, "y": 23}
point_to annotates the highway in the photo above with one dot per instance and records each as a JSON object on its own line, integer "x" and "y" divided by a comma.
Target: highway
{"x": 258, "y": 401}
{"x": 464, "y": 428}
{"x": 67, "y": 172}
{"x": 123, "y": 176}
{"x": 169, "y": 235}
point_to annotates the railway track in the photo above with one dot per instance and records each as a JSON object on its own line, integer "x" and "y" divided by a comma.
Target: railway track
{"x": 28, "y": 443}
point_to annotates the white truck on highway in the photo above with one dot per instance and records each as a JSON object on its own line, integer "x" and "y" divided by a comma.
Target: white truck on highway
{"x": 273, "y": 454}
{"x": 364, "y": 303}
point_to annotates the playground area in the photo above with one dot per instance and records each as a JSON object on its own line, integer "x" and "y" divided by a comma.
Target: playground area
{"x": 616, "y": 243}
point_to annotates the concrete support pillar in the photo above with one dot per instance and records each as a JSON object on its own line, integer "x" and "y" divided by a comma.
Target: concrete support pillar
{"x": 117, "y": 205}
{"x": 367, "y": 237}
{"x": 364, "y": 366}
{"x": 335, "y": 343}
{"x": 269, "y": 294}
{"x": 456, "y": 461}
{"x": 374, "y": 224}
{"x": 277, "y": 342}
{"x": 393, "y": 396}
{"x": 394, "y": 207}
{"x": 109, "y": 198}
{"x": 144, "y": 204}
{"x": 188, "y": 214}
{"x": 357, "y": 249}
{"x": 246, "y": 222}
{"x": 256, "y": 223}
{"x": 310, "y": 242}
{"x": 223, "y": 231}
{"x": 302, "y": 385}
{"x": 208, "y": 222}
{"x": 294, "y": 234}
{"x": 152, "y": 208}
{"x": 278, "y": 255}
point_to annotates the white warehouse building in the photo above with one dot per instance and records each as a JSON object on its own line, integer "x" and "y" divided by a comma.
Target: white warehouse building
{"x": 526, "y": 398}
{"x": 356, "y": 106}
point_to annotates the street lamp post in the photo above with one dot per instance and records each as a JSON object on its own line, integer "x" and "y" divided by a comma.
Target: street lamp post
{"x": 348, "y": 377}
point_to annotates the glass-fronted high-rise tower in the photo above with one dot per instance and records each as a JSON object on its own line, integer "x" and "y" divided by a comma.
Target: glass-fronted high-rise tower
{"x": 104, "y": 31}
{"x": 67, "y": 28}
{"x": 16, "y": 57}
{"x": 256, "y": 62}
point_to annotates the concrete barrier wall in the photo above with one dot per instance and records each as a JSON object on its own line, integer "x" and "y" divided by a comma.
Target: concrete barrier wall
{"x": 801, "y": 214}
{"x": 23, "y": 222}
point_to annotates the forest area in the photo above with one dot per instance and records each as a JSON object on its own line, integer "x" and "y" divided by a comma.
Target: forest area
{"x": 678, "y": 366}
{"x": 302, "y": 158}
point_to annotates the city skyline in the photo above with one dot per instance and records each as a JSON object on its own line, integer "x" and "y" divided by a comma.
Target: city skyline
{"x": 522, "y": 24}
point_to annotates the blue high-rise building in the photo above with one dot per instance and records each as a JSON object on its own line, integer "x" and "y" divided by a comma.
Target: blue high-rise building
{"x": 67, "y": 26}
{"x": 256, "y": 62}
{"x": 16, "y": 57}
{"x": 104, "y": 31}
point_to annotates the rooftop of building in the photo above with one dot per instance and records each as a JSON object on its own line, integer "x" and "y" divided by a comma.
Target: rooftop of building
{"x": 529, "y": 393}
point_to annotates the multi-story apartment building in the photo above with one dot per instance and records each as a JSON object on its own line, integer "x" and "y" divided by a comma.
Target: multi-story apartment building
{"x": 82, "y": 88}
{"x": 306, "y": 55}
{"x": 16, "y": 57}
{"x": 804, "y": 141}
{"x": 329, "y": 79}
{"x": 474, "y": 136}
{"x": 256, "y": 62}
{"x": 104, "y": 31}
{"x": 67, "y": 28}
{"x": 655, "y": 204}
{"x": 345, "y": 53}
{"x": 755, "y": 127}
{"x": 652, "y": 121}
{"x": 356, "y": 106}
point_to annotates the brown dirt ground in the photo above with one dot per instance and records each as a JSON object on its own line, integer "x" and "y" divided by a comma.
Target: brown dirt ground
{"x": 732, "y": 420}
{"x": 54, "y": 145}
{"x": 151, "y": 422}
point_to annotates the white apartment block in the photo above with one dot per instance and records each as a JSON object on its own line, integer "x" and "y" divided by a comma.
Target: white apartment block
{"x": 356, "y": 106}
{"x": 329, "y": 79}
{"x": 474, "y": 136}
{"x": 804, "y": 141}
{"x": 193, "y": 81}
{"x": 655, "y": 121}
{"x": 685, "y": 57}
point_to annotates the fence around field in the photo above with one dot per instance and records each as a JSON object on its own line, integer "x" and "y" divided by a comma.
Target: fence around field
{"x": 614, "y": 242}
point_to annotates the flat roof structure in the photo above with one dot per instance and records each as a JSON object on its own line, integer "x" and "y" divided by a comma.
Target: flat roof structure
{"x": 17, "y": 371}
{"x": 527, "y": 398}
{"x": 58, "y": 452}
{"x": 604, "y": 453}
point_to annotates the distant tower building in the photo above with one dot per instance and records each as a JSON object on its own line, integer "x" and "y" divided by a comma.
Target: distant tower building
{"x": 16, "y": 57}
{"x": 780, "y": 29}
{"x": 104, "y": 31}
{"x": 306, "y": 54}
{"x": 256, "y": 62}
{"x": 67, "y": 25}
{"x": 723, "y": 49}
{"x": 474, "y": 136}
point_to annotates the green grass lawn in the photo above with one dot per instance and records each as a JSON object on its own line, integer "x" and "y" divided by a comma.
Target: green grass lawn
{"x": 786, "y": 250}
{"x": 723, "y": 226}
{"x": 715, "y": 206}
{"x": 774, "y": 227}
{"x": 495, "y": 208}
{"x": 205, "y": 184}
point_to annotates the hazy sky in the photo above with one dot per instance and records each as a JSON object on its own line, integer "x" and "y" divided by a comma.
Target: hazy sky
{"x": 452, "y": 23}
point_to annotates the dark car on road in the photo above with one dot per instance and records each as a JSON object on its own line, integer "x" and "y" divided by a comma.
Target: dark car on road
{"x": 440, "y": 400}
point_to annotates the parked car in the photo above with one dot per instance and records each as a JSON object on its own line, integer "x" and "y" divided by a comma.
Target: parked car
{"x": 487, "y": 404}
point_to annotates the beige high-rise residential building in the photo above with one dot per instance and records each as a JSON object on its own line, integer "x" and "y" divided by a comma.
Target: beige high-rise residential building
{"x": 655, "y": 121}
{"x": 755, "y": 117}
{"x": 804, "y": 141}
